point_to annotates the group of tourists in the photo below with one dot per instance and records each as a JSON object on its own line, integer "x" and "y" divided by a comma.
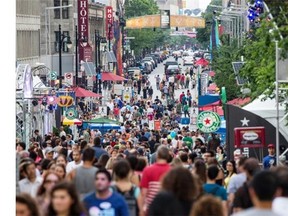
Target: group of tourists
{"x": 144, "y": 172}
{"x": 140, "y": 170}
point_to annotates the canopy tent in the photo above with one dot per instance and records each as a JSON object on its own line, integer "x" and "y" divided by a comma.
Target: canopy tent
{"x": 102, "y": 120}
{"x": 202, "y": 62}
{"x": 108, "y": 76}
{"x": 267, "y": 110}
{"x": 208, "y": 99}
{"x": 81, "y": 92}
{"x": 67, "y": 121}
{"x": 212, "y": 87}
{"x": 213, "y": 107}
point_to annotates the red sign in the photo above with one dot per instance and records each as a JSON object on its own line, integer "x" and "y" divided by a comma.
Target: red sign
{"x": 83, "y": 25}
{"x": 253, "y": 137}
{"x": 157, "y": 125}
{"x": 109, "y": 22}
{"x": 87, "y": 53}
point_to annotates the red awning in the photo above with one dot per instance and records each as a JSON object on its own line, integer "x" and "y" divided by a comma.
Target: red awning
{"x": 217, "y": 109}
{"x": 212, "y": 87}
{"x": 211, "y": 73}
{"x": 81, "y": 92}
{"x": 240, "y": 101}
{"x": 202, "y": 62}
{"x": 108, "y": 76}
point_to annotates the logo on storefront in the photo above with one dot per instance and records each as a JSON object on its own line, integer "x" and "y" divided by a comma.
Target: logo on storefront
{"x": 208, "y": 122}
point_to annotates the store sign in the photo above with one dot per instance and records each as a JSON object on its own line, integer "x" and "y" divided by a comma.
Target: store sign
{"x": 109, "y": 22}
{"x": 83, "y": 26}
{"x": 253, "y": 137}
{"x": 83, "y": 18}
{"x": 208, "y": 122}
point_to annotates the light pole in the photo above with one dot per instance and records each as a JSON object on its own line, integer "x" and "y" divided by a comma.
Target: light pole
{"x": 84, "y": 43}
{"x": 47, "y": 24}
{"x": 62, "y": 37}
{"x": 277, "y": 102}
{"x": 98, "y": 39}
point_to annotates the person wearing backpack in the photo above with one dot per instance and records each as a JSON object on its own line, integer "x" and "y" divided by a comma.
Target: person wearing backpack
{"x": 122, "y": 174}
{"x": 214, "y": 189}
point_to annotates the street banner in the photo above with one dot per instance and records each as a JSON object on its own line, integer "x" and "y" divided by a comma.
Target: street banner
{"x": 109, "y": 22}
{"x": 83, "y": 29}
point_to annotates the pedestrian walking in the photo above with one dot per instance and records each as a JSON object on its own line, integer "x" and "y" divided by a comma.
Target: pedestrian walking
{"x": 65, "y": 201}
{"x": 104, "y": 201}
{"x": 157, "y": 81}
{"x": 150, "y": 182}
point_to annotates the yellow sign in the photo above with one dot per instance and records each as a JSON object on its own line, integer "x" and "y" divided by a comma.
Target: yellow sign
{"x": 153, "y": 21}
{"x": 65, "y": 101}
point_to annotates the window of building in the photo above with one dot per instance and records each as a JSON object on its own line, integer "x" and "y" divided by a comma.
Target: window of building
{"x": 57, "y": 41}
{"x": 65, "y": 11}
{"x": 57, "y": 11}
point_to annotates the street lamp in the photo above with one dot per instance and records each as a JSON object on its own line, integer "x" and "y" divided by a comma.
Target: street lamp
{"x": 62, "y": 37}
{"x": 47, "y": 24}
{"x": 83, "y": 43}
{"x": 98, "y": 40}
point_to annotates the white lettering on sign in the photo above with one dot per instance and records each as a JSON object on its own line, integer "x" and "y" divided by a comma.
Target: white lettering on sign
{"x": 83, "y": 17}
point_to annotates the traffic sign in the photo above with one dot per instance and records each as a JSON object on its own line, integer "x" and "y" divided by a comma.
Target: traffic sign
{"x": 68, "y": 78}
{"x": 53, "y": 75}
{"x": 208, "y": 121}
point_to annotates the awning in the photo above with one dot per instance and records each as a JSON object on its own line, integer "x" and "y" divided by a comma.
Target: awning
{"x": 208, "y": 99}
{"x": 110, "y": 57}
{"x": 108, "y": 76}
{"x": 89, "y": 68}
{"x": 81, "y": 92}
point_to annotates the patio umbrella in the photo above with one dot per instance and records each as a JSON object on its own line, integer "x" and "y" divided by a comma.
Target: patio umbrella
{"x": 202, "y": 62}
{"x": 81, "y": 92}
{"x": 102, "y": 120}
{"x": 108, "y": 76}
{"x": 67, "y": 121}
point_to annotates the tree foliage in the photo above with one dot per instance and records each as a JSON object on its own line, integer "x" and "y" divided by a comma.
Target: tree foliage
{"x": 222, "y": 65}
{"x": 203, "y": 34}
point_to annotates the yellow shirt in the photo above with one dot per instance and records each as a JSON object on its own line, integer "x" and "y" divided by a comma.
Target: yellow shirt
{"x": 227, "y": 180}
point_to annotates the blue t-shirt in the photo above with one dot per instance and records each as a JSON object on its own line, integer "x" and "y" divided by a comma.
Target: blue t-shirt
{"x": 99, "y": 151}
{"x": 216, "y": 190}
{"x": 115, "y": 205}
{"x": 269, "y": 161}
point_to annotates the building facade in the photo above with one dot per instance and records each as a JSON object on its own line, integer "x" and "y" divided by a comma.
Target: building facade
{"x": 27, "y": 32}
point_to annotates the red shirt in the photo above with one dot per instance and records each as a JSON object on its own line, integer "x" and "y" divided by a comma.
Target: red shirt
{"x": 151, "y": 180}
{"x": 116, "y": 111}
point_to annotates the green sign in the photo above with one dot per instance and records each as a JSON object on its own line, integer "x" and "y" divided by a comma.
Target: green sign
{"x": 53, "y": 75}
{"x": 208, "y": 122}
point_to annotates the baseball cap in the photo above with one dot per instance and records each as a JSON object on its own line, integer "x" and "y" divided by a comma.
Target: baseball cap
{"x": 48, "y": 150}
{"x": 271, "y": 146}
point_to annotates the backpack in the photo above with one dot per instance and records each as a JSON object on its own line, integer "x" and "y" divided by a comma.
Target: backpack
{"x": 130, "y": 199}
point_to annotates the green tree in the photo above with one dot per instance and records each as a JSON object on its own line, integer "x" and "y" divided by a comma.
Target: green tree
{"x": 222, "y": 65}
{"x": 135, "y": 8}
{"x": 203, "y": 34}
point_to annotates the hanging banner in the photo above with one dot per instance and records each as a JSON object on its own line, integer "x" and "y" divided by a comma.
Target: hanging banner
{"x": 82, "y": 24}
{"x": 109, "y": 23}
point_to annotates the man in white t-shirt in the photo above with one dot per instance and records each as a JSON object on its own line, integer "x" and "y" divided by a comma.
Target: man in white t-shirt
{"x": 280, "y": 204}
{"x": 76, "y": 161}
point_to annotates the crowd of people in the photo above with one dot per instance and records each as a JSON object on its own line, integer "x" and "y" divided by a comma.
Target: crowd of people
{"x": 139, "y": 170}
{"x": 144, "y": 172}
